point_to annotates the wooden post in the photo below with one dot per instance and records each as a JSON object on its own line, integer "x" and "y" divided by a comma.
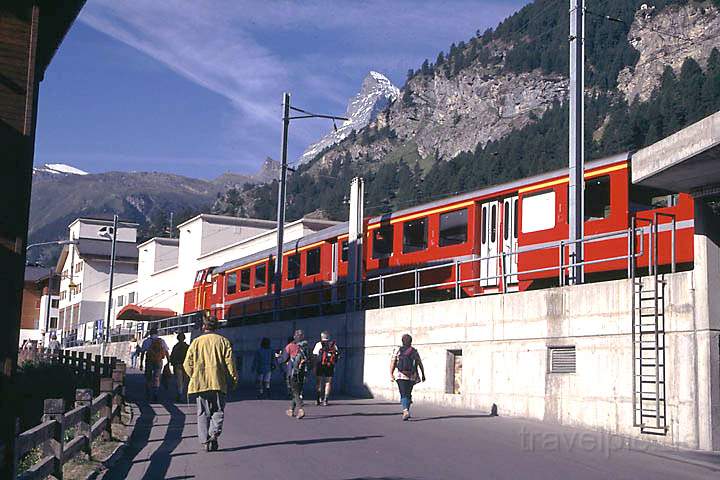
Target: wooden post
{"x": 106, "y": 386}
{"x": 98, "y": 366}
{"x": 107, "y": 370}
{"x": 53, "y": 410}
{"x": 83, "y": 398}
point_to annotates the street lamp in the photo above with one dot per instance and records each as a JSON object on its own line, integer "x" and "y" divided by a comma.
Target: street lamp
{"x": 111, "y": 233}
{"x": 281, "y": 190}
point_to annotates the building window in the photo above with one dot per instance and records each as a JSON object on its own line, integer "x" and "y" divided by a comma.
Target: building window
{"x": 597, "y": 198}
{"x": 65, "y": 274}
{"x": 54, "y": 303}
{"x": 53, "y": 323}
{"x": 415, "y": 235}
{"x": 383, "y": 241}
{"x": 293, "y": 264}
{"x": 561, "y": 359}
{"x": 312, "y": 261}
{"x": 79, "y": 266}
{"x": 244, "y": 279}
{"x": 121, "y": 301}
{"x": 453, "y": 369}
{"x": 260, "y": 275}
{"x": 453, "y": 227}
{"x": 231, "y": 283}
{"x": 78, "y": 288}
{"x": 538, "y": 211}
{"x": 344, "y": 251}
{"x": 63, "y": 295}
{"x": 131, "y": 297}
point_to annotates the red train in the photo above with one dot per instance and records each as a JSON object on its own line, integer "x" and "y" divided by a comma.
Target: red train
{"x": 501, "y": 238}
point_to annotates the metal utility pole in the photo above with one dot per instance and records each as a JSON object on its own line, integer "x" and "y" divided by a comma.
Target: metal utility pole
{"x": 106, "y": 329}
{"x": 51, "y": 272}
{"x": 281, "y": 193}
{"x": 356, "y": 235}
{"x": 281, "y": 206}
{"x": 577, "y": 158}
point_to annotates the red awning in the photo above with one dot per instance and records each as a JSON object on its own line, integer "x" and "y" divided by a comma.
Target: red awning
{"x": 143, "y": 314}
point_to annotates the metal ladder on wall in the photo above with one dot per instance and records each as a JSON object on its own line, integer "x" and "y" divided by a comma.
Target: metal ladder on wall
{"x": 648, "y": 338}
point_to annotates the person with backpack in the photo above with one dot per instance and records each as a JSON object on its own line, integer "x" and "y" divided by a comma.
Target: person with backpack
{"x": 210, "y": 363}
{"x": 156, "y": 351}
{"x": 295, "y": 356}
{"x": 177, "y": 358}
{"x": 325, "y": 355}
{"x": 263, "y": 365}
{"x": 406, "y": 361}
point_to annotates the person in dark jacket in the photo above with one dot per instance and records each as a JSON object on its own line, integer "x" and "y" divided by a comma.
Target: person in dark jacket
{"x": 177, "y": 357}
{"x": 263, "y": 365}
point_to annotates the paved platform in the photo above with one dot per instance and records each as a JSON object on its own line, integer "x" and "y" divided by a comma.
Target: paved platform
{"x": 366, "y": 439}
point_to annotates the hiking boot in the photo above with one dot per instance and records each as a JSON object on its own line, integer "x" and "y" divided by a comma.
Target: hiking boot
{"x": 325, "y": 402}
{"x": 290, "y": 412}
{"x": 213, "y": 445}
{"x": 406, "y": 415}
{"x": 318, "y": 402}
{"x": 300, "y": 413}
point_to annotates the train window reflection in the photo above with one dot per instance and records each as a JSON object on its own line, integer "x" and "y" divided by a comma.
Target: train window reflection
{"x": 293, "y": 266}
{"x": 382, "y": 241}
{"x": 344, "y": 251}
{"x": 244, "y": 279}
{"x": 312, "y": 262}
{"x": 260, "y": 275}
{"x": 453, "y": 227}
{"x": 414, "y": 235}
{"x": 647, "y": 198}
{"x": 231, "y": 283}
{"x": 597, "y": 198}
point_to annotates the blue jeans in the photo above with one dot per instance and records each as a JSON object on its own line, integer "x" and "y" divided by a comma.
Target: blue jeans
{"x": 405, "y": 387}
{"x": 153, "y": 372}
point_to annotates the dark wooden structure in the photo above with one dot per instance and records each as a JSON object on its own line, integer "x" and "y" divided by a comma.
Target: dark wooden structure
{"x": 30, "y": 33}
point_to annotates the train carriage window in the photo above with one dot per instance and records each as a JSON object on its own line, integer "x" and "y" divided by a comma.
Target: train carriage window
{"x": 260, "y": 275}
{"x": 271, "y": 269}
{"x": 312, "y": 262}
{"x": 493, "y": 224}
{"x": 538, "y": 211}
{"x": 231, "y": 283}
{"x": 483, "y": 231}
{"x": 647, "y": 198}
{"x": 345, "y": 251}
{"x": 597, "y": 198}
{"x": 506, "y": 222}
{"x": 453, "y": 227}
{"x": 293, "y": 266}
{"x": 382, "y": 241}
{"x": 415, "y": 235}
{"x": 515, "y": 218}
{"x": 244, "y": 279}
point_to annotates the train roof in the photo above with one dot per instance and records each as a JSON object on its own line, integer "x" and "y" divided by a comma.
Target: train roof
{"x": 322, "y": 235}
{"x": 487, "y": 191}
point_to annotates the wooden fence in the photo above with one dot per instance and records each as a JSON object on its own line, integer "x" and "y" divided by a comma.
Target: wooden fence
{"x": 90, "y": 419}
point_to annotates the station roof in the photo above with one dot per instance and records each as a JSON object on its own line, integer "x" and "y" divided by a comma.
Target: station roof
{"x": 687, "y": 161}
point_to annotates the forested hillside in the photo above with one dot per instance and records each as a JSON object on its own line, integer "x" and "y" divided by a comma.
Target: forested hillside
{"x": 650, "y": 71}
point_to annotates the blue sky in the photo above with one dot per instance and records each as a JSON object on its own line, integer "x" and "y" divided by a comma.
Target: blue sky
{"x": 195, "y": 87}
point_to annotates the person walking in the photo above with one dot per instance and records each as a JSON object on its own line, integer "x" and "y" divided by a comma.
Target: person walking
{"x": 295, "y": 356}
{"x": 406, "y": 361}
{"x": 155, "y": 351}
{"x": 263, "y": 365}
{"x": 53, "y": 344}
{"x": 177, "y": 358}
{"x": 134, "y": 351}
{"x": 325, "y": 355}
{"x": 210, "y": 363}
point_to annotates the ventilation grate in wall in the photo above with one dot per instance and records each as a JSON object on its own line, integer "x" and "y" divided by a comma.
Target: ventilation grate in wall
{"x": 562, "y": 359}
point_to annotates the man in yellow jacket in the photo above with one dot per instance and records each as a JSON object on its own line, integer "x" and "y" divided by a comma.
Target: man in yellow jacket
{"x": 208, "y": 364}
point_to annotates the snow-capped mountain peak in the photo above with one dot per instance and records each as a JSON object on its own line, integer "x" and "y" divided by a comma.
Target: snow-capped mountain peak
{"x": 375, "y": 94}
{"x": 59, "y": 169}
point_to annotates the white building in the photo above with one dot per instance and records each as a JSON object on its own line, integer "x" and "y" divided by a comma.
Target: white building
{"x": 84, "y": 268}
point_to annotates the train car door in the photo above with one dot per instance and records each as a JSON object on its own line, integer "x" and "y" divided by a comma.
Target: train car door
{"x": 489, "y": 243}
{"x": 510, "y": 237}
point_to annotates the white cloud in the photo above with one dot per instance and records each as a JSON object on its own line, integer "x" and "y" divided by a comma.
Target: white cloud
{"x": 250, "y": 51}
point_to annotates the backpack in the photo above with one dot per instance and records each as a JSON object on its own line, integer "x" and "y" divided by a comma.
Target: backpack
{"x": 298, "y": 363}
{"x": 156, "y": 352}
{"x": 328, "y": 354}
{"x": 406, "y": 360}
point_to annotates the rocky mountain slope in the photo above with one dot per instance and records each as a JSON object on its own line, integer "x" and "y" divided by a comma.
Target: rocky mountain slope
{"x": 376, "y": 93}
{"x": 493, "y": 107}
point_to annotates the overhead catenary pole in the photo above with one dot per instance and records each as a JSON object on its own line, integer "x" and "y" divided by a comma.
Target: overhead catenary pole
{"x": 576, "y": 124}
{"x": 106, "y": 329}
{"x": 281, "y": 206}
{"x": 51, "y": 272}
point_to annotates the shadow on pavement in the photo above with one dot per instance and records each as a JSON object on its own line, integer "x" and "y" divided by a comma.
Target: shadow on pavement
{"x": 160, "y": 459}
{"x": 311, "y": 441}
{"x": 450, "y": 417}
{"x": 356, "y": 414}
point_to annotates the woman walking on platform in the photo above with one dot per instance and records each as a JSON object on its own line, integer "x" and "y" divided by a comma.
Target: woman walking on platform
{"x": 406, "y": 361}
